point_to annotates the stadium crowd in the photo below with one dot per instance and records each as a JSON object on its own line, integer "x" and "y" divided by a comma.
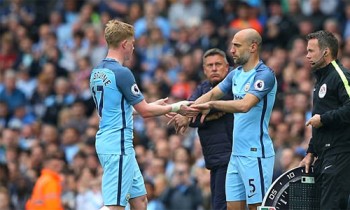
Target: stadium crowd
{"x": 48, "y": 48}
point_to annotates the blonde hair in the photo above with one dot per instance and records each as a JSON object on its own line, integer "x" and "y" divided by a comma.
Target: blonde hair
{"x": 116, "y": 31}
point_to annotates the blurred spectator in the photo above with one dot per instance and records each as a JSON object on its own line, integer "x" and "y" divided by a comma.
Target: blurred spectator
{"x": 181, "y": 41}
{"x": 315, "y": 14}
{"x": 78, "y": 163}
{"x": 43, "y": 33}
{"x": 153, "y": 202}
{"x": 4, "y": 175}
{"x": 140, "y": 151}
{"x": 346, "y": 21}
{"x": 18, "y": 9}
{"x": 151, "y": 19}
{"x": 345, "y": 61}
{"x": 297, "y": 51}
{"x": 69, "y": 190}
{"x": 10, "y": 93}
{"x": 47, "y": 190}
{"x": 25, "y": 83}
{"x": 330, "y": 8}
{"x": 21, "y": 117}
{"x": 182, "y": 193}
{"x": 27, "y": 137}
{"x": 92, "y": 198}
{"x": 185, "y": 13}
{"x": 160, "y": 184}
{"x": 279, "y": 28}
{"x": 135, "y": 13}
{"x": 210, "y": 37}
{"x": 155, "y": 167}
{"x": 60, "y": 99}
{"x": 182, "y": 88}
{"x": 5, "y": 203}
{"x": 157, "y": 47}
{"x": 75, "y": 50}
{"x": 245, "y": 19}
{"x": 81, "y": 73}
{"x": 48, "y": 134}
{"x": 179, "y": 155}
{"x": 37, "y": 155}
{"x": 69, "y": 10}
{"x": 25, "y": 58}
{"x": 50, "y": 72}
{"x": 203, "y": 177}
{"x": 70, "y": 142}
{"x": 223, "y": 11}
{"x": 96, "y": 50}
{"x": 287, "y": 161}
{"x": 4, "y": 115}
{"x": 62, "y": 30}
{"x": 332, "y": 25}
{"x": 294, "y": 11}
{"x": 191, "y": 69}
{"x": 116, "y": 8}
{"x": 162, "y": 80}
{"x": 20, "y": 191}
{"x": 77, "y": 116}
{"x": 86, "y": 18}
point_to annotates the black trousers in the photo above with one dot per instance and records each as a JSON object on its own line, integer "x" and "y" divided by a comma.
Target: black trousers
{"x": 333, "y": 177}
{"x": 217, "y": 186}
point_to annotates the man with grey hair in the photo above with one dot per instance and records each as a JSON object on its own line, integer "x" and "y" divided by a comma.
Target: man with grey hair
{"x": 215, "y": 133}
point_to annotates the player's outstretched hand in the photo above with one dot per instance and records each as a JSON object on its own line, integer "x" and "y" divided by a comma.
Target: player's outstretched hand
{"x": 162, "y": 101}
{"x": 205, "y": 109}
{"x": 182, "y": 107}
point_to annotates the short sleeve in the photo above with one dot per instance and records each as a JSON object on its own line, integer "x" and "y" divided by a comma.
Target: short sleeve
{"x": 226, "y": 84}
{"x": 264, "y": 82}
{"x": 127, "y": 85}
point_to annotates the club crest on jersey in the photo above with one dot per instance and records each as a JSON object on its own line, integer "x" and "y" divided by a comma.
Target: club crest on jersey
{"x": 135, "y": 90}
{"x": 323, "y": 90}
{"x": 246, "y": 87}
{"x": 127, "y": 197}
{"x": 259, "y": 85}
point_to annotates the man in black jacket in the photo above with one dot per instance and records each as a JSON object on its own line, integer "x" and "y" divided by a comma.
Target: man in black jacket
{"x": 216, "y": 132}
{"x": 330, "y": 122}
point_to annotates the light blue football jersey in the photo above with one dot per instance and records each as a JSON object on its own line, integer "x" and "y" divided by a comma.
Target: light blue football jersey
{"x": 250, "y": 134}
{"x": 114, "y": 91}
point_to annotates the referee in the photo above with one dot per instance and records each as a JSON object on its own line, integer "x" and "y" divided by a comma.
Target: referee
{"x": 330, "y": 142}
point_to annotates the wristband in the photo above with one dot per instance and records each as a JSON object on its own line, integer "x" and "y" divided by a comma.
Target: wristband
{"x": 175, "y": 107}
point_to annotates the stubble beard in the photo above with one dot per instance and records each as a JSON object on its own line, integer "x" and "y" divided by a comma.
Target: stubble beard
{"x": 241, "y": 60}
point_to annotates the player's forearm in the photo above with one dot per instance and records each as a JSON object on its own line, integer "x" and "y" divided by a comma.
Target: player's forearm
{"x": 229, "y": 106}
{"x": 212, "y": 95}
{"x": 152, "y": 110}
{"x": 337, "y": 116}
